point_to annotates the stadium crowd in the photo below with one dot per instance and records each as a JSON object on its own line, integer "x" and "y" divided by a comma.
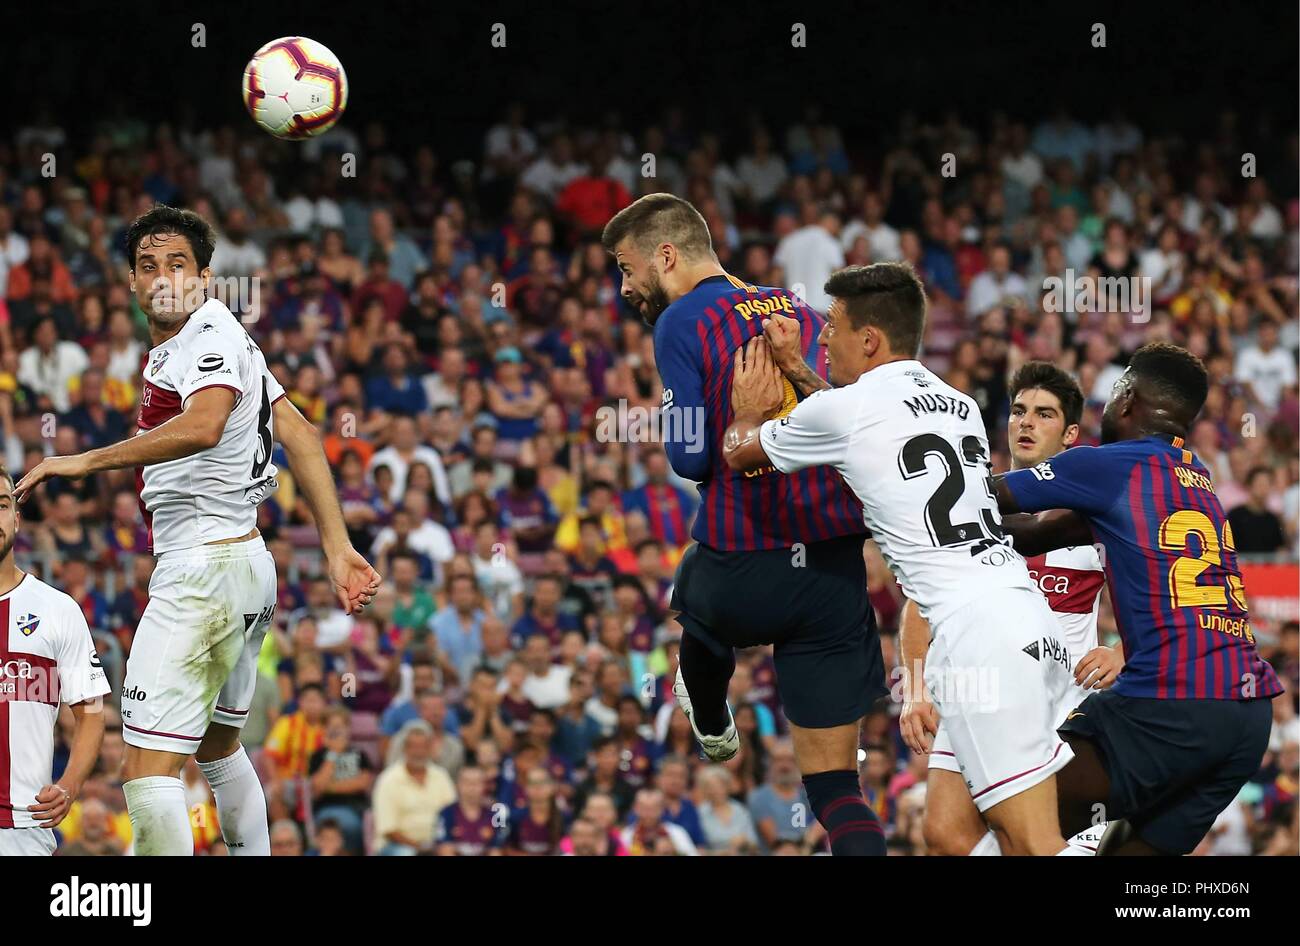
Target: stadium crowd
{"x": 455, "y": 330}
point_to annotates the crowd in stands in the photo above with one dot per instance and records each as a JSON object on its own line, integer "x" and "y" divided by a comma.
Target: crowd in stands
{"x": 454, "y": 329}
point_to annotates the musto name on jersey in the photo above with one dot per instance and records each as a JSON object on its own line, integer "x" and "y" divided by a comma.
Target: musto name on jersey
{"x": 936, "y": 404}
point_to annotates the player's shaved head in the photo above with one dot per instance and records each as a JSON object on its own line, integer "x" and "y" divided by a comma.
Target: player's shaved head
{"x": 1162, "y": 391}
{"x": 656, "y": 219}
{"x": 889, "y": 296}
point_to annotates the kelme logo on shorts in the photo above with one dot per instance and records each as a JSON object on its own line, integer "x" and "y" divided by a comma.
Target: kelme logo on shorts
{"x": 1032, "y": 650}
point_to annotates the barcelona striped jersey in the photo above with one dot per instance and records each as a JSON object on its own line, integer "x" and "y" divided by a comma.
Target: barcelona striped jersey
{"x": 1170, "y": 563}
{"x": 696, "y": 339}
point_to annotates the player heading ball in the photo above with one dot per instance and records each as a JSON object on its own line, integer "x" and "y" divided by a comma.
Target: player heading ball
{"x": 923, "y": 478}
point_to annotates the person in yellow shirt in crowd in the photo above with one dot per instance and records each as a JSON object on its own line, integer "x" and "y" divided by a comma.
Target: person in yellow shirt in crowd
{"x": 410, "y": 795}
{"x": 289, "y": 746}
{"x": 599, "y": 502}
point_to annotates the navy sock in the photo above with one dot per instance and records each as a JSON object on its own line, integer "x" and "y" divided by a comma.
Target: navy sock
{"x": 707, "y": 676}
{"x": 852, "y": 826}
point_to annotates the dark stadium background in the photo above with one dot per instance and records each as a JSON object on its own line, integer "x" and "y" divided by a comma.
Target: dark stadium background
{"x": 430, "y": 72}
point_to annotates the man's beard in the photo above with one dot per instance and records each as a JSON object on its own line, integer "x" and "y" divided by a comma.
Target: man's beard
{"x": 656, "y": 300}
{"x": 7, "y": 546}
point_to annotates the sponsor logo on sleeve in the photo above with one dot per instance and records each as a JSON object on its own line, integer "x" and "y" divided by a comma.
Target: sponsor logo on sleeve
{"x": 210, "y": 362}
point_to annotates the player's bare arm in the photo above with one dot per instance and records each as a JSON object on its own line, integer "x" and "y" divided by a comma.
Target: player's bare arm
{"x": 755, "y": 397}
{"x": 920, "y": 717}
{"x": 1039, "y": 533}
{"x": 54, "y": 801}
{"x": 783, "y": 340}
{"x": 197, "y": 427}
{"x": 355, "y": 582}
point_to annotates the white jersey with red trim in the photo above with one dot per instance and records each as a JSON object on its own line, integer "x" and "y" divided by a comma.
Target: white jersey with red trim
{"x": 214, "y": 493}
{"x": 1071, "y": 579}
{"x": 46, "y": 658}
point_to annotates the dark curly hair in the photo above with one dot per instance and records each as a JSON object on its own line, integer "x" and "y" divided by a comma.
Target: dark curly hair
{"x": 172, "y": 220}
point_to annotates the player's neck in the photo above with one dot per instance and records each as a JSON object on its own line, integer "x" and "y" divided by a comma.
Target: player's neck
{"x": 10, "y": 574}
{"x": 691, "y": 275}
{"x": 1163, "y": 431}
{"x": 887, "y": 358}
{"x": 160, "y": 333}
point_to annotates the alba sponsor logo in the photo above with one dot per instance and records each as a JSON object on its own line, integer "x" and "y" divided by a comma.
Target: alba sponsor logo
{"x": 75, "y": 899}
{"x": 1055, "y": 650}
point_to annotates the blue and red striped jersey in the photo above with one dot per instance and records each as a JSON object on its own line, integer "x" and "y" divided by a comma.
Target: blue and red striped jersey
{"x": 1170, "y": 562}
{"x": 667, "y": 508}
{"x": 695, "y": 340}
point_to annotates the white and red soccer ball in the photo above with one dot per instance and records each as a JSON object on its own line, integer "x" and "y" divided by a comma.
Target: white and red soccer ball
{"x": 294, "y": 87}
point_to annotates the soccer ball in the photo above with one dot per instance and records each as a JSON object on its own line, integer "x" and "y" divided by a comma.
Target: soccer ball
{"x": 295, "y": 88}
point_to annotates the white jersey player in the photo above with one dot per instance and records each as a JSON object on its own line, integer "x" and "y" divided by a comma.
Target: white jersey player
{"x": 47, "y": 659}
{"x": 914, "y": 452}
{"x": 210, "y": 412}
{"x": 1045, "y": 411}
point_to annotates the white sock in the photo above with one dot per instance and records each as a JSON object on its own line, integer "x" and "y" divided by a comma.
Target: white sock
{"x": 241, "y": 804}
{"x": 987, "y": 847}
{"x": 160, "y": 820}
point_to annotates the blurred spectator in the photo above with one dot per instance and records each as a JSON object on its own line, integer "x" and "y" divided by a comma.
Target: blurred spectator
{"x": 725, "y": 822}
{"x": 810, "y": 254}
{"x": 410, "y": 795}
{"x": 780, "y": 806}
{"x": 1255, "y": 527}
{"x": 341, "y": 778}
{"x": 471, "y": 826}
{"x": 649, "y": 833}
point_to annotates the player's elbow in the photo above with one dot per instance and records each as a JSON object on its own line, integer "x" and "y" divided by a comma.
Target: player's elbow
{"x": 746, "y": 458}
{"x": 208, "y": 434}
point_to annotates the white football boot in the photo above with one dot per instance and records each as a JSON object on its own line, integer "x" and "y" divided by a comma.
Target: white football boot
{"x": 716, "y": 748}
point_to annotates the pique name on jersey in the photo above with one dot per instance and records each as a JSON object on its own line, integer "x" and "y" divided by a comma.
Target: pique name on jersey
{"x": 937, "y": 404}
{"x": 764, "y": 307}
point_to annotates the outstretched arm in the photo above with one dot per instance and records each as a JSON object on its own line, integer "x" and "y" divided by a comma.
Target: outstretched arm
{"x": 1041, "y": 532}
{"x": 197, "y": 427}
